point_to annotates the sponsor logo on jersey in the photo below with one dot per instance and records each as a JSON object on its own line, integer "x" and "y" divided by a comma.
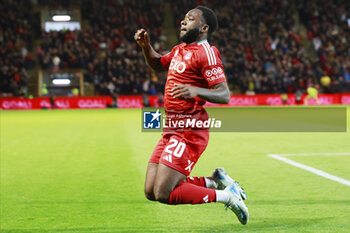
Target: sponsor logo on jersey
{"x": 151, "y": 120}
{"x": 214, "y": 77}
{"x": 208, "y": 73}
{"x": 214, "y": 73}
{"x": 178, "y": 66}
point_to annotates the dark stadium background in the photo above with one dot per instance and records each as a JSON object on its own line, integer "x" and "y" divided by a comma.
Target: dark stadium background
{"x": 267, "y": 47}
{"x": 84, "y": 170}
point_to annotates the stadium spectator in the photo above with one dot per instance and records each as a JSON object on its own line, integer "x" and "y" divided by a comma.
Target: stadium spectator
{"x": 329, "y": 30}
{"x": 15, "y": 43}
{"x": 267, "y": 56}
{"x": 262, "y": 50}
{"x": 106, "y": 52}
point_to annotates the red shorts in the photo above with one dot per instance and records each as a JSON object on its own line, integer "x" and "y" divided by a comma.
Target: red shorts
{"x": 180, "y": 150}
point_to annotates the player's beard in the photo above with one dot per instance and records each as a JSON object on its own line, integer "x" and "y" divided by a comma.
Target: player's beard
{"x": 191, "y": 36}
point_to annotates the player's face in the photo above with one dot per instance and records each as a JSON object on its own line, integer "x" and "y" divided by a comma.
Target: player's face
{"x": 190, "y": 26}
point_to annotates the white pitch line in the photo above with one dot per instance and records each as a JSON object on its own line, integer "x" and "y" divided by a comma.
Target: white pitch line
{"x": 312, "y": 170}
{"x": 312, "y": 154}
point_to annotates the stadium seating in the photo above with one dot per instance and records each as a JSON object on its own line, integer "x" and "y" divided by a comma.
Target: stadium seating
{"x": 15, "y": 44}
{"x": 263, "y": 51}
{"x": 107, "y": 52}
{"x": 260, "y": 42}
{"x": 328, "y": 27}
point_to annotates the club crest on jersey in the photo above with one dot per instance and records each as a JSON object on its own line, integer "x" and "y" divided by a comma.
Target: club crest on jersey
{"x": 178, "y": 66}
{"x": 188, "y": 56}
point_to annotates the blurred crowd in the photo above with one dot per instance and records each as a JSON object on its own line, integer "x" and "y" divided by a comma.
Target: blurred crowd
{"x": 263, "y": 52}
{"x": 259, "y": 42}
{"x": 15, "y": 44}
{"x": 107, "y": 52}
{"x": 328, "y": 28}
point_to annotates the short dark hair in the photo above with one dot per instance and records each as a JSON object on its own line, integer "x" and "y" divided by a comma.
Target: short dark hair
{"x": 209, "y": 17}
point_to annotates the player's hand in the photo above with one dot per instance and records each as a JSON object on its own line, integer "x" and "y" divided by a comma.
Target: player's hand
{"x": 142, "y": 38}
{"x": 186, "y": 91}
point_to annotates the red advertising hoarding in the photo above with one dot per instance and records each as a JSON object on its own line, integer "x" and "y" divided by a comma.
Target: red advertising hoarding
{"x": 59, "y": 103}
{"x": 276, "y": 100}
{"x": 137, "y": 101}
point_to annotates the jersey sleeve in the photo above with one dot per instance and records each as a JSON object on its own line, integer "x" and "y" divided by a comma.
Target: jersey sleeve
{"x": 210, "y": 65}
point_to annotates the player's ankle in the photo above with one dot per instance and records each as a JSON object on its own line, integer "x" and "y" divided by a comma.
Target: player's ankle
{"x": 222, "y": 196}
{"x": 210, "y": 183}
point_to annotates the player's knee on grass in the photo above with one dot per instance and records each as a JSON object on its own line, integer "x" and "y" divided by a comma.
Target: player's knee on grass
{"x": 161, "y": 194}
{"x": 167, "y": 179}
{"x": 149, "y": 182}
{"x": 149, "y": 194}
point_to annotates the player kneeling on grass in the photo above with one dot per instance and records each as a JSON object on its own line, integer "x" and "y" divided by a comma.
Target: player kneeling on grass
{"x": 195, "y": 75}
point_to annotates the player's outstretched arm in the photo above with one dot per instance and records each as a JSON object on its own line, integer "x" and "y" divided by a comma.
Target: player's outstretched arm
{"x": 151, "y": 56}
{"x": 219, "y": 93}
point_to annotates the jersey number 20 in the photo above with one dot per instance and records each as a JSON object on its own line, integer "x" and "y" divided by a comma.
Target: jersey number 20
{"x": 179, "y": 147}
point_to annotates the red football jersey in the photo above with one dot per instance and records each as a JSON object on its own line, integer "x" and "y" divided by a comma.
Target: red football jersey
{"x": 197, "y": 64}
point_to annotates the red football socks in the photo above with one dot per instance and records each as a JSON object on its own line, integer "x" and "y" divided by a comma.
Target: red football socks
{"x": 199, "y": 181}
{"x": 186, "y": 193}
{"x": 202, "y": 181}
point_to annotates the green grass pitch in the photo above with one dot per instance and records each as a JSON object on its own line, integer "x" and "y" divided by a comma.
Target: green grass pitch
{"x": 83, "y": 171}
